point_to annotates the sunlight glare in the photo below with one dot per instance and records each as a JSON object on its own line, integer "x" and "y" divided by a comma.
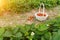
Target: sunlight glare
{"x": 1, "y": 3}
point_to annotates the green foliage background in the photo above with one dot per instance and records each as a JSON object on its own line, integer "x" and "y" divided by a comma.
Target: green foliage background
{"x": 27, "y": 5}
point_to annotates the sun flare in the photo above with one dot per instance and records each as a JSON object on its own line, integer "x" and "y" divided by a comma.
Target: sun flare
{"x": 3, "y": 2}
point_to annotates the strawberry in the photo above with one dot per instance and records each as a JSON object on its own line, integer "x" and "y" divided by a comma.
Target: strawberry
{"x": 40, "y": 14}
{"x": 30, "y": 18}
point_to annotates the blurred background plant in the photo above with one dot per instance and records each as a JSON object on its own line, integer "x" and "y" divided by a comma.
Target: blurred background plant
{"x": 27, "y": 5}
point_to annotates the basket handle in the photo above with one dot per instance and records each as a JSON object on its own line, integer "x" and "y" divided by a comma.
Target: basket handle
{"x": 42, "y": 4}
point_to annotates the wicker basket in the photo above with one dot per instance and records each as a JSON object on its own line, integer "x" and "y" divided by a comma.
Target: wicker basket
{"x": 41, "y": 18}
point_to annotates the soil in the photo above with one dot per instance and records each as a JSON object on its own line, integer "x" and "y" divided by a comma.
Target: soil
{"x": 26, "y": 18}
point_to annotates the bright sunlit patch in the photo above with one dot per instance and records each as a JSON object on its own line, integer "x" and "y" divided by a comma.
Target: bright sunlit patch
{"x": 1, "y": 3}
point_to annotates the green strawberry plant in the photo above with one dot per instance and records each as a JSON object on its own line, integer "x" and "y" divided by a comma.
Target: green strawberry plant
{"x": 50, "y": 30}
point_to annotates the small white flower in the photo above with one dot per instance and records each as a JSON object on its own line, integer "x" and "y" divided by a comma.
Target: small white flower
{"x": 47, "y": 25}
{"x": 32, "y": 33}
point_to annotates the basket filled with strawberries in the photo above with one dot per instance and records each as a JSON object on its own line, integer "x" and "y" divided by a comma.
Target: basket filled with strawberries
{"x": 41, "y": 15}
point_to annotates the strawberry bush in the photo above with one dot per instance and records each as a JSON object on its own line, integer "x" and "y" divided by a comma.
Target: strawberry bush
{"x": 27, "y": 5}
{"x": 50, "y": 30}
{"x": 58, "y": 2}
